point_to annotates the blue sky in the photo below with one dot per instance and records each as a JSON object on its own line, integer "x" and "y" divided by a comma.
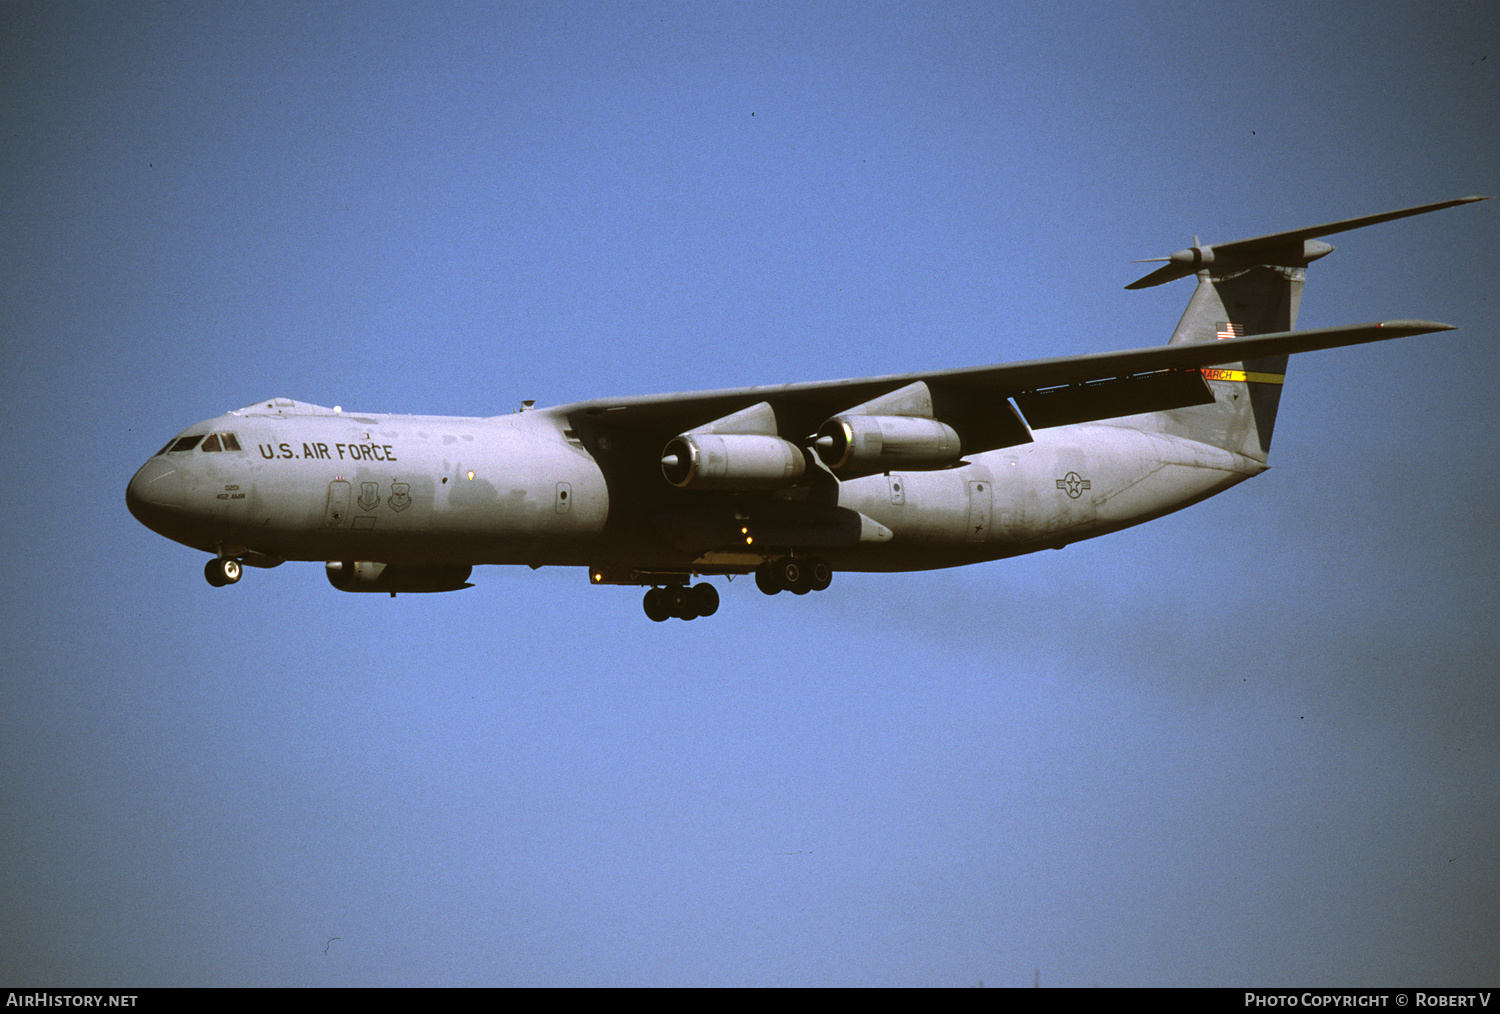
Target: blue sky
{"x": 1251, "y": 743}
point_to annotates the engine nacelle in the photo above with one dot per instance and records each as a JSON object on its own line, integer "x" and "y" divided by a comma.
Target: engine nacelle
{"x": 731, "y": 461}
{"x": 362, "y": 576}
{"x": 875, "y": 443}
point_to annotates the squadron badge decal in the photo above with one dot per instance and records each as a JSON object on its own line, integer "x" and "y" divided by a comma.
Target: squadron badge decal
{"x": 369, "y": 496}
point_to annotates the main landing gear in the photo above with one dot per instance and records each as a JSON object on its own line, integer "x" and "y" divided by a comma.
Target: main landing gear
{"x": 796, "y": 574}
{"x": 222, "y": 570}
{"x": 682, "y": 602}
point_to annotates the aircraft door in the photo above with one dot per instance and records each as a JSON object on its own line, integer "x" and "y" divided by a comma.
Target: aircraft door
{"x": 337, "y": 513}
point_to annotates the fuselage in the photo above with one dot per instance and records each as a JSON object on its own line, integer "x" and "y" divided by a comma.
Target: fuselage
{"x": 284, "y": 480}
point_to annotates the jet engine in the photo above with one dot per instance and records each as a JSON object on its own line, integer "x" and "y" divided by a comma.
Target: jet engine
{"x": 397, "y": 577}
{"x": 731, "y": 461}
{"x": 874, "y": 443}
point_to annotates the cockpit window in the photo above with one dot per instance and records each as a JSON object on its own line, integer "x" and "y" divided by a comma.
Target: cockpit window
{"x": 214, "y": 442}
{"x": 167, "y": 448}
{"x": 221, "y": 442}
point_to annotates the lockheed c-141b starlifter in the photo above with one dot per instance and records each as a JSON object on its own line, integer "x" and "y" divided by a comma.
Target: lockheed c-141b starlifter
{"x": 791, "y": 483}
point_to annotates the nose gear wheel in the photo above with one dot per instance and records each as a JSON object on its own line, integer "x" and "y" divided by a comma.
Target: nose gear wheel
{"x": 222, "y": 571}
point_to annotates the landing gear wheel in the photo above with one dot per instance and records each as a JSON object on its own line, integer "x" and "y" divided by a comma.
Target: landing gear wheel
{"x": 221, "y": 571}
{"x": 705, "y": 599}
{"x": 681, "y": 602}
{"x": 819, "y": 574}
{"x": 765, "y": 578}
{"x": 791, "y": 576}
{"x": 657, "y": 606}
{"x": 796, "y": 575}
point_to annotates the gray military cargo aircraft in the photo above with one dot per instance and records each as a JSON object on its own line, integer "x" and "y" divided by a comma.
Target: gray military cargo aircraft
{"x": 790, "y": 483}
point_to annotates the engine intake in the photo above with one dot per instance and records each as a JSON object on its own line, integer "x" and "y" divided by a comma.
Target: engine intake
{"x": 850, "y": 443}
{"x": 731, "y": 461}
{"x": 398, "y": 577}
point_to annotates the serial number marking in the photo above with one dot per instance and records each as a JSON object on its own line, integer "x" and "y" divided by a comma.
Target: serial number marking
{"x": 320, "y": 451}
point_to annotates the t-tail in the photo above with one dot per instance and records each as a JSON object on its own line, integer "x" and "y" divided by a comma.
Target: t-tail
{"x": 1248, "y": 287}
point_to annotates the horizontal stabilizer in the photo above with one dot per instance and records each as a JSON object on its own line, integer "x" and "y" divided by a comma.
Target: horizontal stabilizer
{"x": 1293, "y": 248}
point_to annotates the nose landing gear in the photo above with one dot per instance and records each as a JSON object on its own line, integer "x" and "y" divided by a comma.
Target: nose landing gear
{"x": 222, "y": 570}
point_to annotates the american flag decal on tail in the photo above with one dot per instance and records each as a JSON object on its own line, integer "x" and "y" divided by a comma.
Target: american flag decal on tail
{"x": 1229, "y": 329}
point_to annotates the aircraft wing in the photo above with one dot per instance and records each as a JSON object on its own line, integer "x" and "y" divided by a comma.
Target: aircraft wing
{"x": 974, "y": 399}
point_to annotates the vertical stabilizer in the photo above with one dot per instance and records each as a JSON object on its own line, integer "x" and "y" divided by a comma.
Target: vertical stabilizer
{"x": 1249, "y": 287}
{"x": 1257, "y": 300}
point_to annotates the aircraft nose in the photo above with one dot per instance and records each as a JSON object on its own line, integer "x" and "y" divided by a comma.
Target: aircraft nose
{"x": 158, "y": 484}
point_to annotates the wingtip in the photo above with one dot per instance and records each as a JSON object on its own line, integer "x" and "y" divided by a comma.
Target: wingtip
{"x": 1415, "y": 327}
